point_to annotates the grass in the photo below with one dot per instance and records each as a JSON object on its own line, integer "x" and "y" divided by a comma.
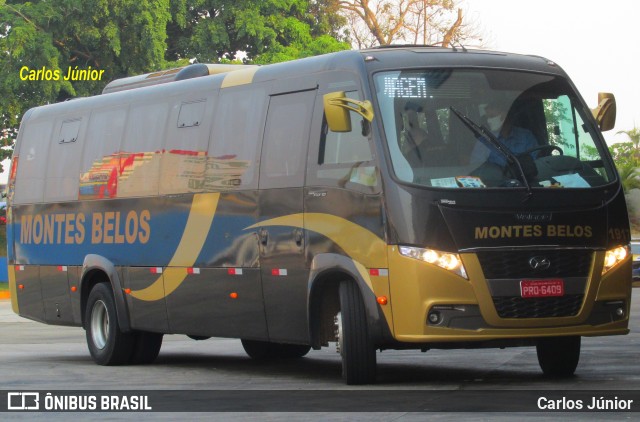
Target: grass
{"x": 4, "y": 287}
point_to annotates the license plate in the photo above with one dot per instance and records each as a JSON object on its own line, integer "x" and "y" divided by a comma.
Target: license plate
{"x": 542, "y": 288}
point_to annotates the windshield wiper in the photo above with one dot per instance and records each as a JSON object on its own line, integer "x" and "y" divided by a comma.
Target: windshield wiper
{"x": 485, "y": 135}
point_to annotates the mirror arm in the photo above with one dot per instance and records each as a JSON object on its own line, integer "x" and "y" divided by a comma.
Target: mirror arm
{"x": 363, "y": 108}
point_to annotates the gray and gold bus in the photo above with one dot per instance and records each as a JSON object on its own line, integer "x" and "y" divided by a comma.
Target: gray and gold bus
{"x": 365, "y": 198}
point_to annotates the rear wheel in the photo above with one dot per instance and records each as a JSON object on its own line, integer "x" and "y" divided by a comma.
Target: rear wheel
{"x": 289, "y": 351}
{"x": 146, "y": 347}
{"x": 108, "y": 345}
{"x": 352, "y": 336}
{"x": 558, "y": 356}
{"x": 258, "y": 350}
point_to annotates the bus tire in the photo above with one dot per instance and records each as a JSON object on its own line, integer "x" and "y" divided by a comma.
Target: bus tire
{"x": 108, "y": 345}
{"x": 146, "y": 347}
{"x": 558, "y": 356}
{"x": 289, "y": 351}
{"x": 256, "y": 349}
{"x": 355, "y": 346}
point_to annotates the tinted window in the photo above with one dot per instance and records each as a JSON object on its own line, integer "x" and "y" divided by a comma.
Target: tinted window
{"x": 34, "y": 150}
{"x": 285, "y": 140}
{"x": 141, "y": 150}
{"x": 63, "y": 166}
{"x": 100, "y": 163}
{"x": 235, "y": 139}
{"x": 345, "y": 157}
{"x": 185, "y": 157}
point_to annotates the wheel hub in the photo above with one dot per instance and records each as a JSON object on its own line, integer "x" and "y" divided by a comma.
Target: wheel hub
{"x": 99, "y": 324}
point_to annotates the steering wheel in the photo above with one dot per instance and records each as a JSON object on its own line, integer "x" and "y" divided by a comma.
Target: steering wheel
{"x": 548, "y": 148}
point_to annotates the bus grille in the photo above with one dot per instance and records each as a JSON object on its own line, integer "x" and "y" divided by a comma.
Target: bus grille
{"x": 545, "y": 307}
{"x": 515, "y": 264}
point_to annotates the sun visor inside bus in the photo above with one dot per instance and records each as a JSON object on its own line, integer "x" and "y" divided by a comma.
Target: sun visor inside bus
{"x": 171, "y": 75}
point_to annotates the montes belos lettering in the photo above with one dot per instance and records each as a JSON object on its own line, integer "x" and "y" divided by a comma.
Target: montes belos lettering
{"x": 110, "y": 227}
{"x": 532, "y": 231}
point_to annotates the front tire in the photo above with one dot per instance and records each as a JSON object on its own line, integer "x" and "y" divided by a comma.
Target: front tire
{"x": 558, "y": 356}
{"x": 352, "y": 334}
{"x": 108, "y": 345}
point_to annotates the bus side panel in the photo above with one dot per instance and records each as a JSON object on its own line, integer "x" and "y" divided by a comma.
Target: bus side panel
{"x": 145, "y": 315}
{"x": 29, "y": 292}
{"x": 221, "y": 294}
{"x": 55, "y": 294}
{"x": 219, "y": 302}
{"x": 73, "y": 275}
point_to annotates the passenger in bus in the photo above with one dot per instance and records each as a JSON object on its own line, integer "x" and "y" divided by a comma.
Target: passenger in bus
{"x": 416, "y": 149}
{"x": 517, "y": 139}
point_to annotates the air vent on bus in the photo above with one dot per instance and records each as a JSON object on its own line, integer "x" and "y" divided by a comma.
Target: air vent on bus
{"x": 171, "y": 75}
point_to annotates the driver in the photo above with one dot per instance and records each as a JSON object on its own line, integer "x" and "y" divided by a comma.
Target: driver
{"x": 517, "y": 139}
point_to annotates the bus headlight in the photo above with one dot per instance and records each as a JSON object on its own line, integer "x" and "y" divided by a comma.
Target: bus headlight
{"x": 614, "y": 256}
{"x": 446, "y": 260}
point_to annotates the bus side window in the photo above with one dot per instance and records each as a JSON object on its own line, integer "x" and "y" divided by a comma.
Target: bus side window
{"x": 141, "y": 150}
{"x": 234, "y": 145}
{"x": 184, "y": 162}
{"x": 560, "y": 125}
{"x": 63, "y": 165}
{"x": 34, "y": 154}
{"x": 345, "y": 158}
{"x": 286, "y": 137}
{"x": 100, "y": 162}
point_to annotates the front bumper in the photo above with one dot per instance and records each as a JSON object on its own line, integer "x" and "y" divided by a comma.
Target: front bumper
{"x": 468, "y": 311}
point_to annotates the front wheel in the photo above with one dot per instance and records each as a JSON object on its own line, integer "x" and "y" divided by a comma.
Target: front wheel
{"x": 352, "y": 337}
{"x": 108, "y": 345}
{"x": 558, "y": 356}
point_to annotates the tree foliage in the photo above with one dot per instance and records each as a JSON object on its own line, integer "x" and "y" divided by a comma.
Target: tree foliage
{"x": 626, "y": 155}
{"x": 121, "y": 37}
{"x": 128, "y": 37}
{"x": 267, "y": 30}
{"x": 630, "y": 151}
{"x": 383, "y": 22}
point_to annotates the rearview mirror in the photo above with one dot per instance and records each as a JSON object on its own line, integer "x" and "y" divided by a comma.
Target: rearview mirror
{"x": 337, "y": 106}
{"x": 605, "y": 112}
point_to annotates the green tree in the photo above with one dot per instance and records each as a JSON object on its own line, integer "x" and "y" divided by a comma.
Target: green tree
{"x": 634, "y": 136}
{"x": 629, "y": 176}
{"x": 624, "y": 154}
{"x": 128, "y": 37}
{"x": 267, "y": 31}
{"x": 121, "y": 37}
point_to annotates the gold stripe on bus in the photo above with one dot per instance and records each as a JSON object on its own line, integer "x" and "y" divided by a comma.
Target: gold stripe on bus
{"x": 13, "y": 291}
{"x": 359, "y": 243}
{"x": 365, "y": 249}
{"x": 203, "y": 209}
{"x": 239, "y": 77}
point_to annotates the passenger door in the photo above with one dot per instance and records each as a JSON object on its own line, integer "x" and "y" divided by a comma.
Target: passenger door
{"x": 280, "y": 228}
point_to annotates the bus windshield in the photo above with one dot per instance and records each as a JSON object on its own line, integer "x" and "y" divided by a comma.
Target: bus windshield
{"x": 477, "y": 128}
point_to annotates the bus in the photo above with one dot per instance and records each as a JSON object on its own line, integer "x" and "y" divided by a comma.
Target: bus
{"x": 365, "y": 199}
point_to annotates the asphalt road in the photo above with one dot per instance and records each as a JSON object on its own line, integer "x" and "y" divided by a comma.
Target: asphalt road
{"x": 35, "y": 356}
